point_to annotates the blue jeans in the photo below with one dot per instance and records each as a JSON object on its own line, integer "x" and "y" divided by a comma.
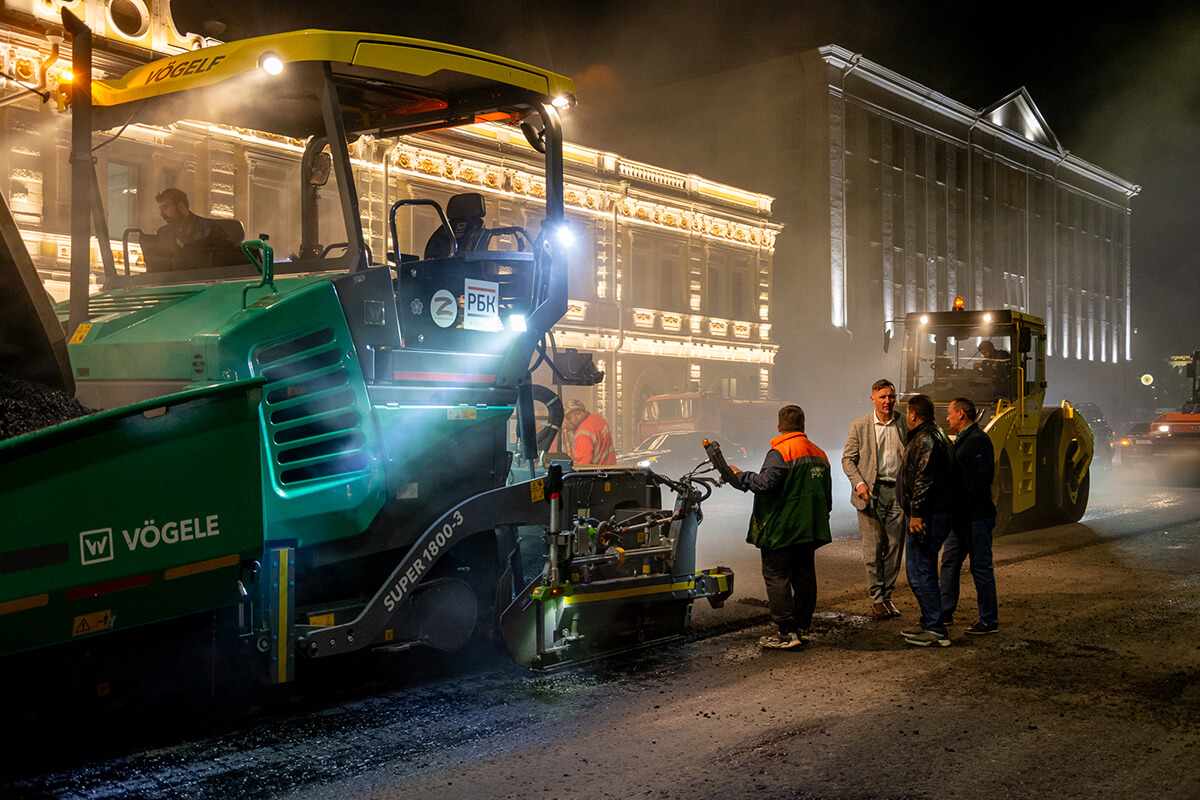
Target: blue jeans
{"x": 974, "y": 541}
{"x": 921, "y": 567}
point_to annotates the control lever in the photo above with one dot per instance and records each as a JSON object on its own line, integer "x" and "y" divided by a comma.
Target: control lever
{"x": 713, "y": 449}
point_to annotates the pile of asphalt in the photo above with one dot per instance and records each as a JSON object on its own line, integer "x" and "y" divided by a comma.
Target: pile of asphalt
{"x": 26, "y": 407}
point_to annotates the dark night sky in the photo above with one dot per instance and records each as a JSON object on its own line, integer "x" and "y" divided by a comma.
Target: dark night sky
{"x": 1121, "y": 89}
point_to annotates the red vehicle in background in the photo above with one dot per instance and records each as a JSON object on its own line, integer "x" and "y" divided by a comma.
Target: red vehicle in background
{"x": 1175, "y": 436}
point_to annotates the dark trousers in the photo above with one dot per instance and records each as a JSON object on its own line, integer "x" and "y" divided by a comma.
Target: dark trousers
{"x": 791, "y": 577}
{"x": 970, "y": 538}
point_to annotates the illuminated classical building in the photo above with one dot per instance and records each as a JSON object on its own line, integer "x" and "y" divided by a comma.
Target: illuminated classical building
{"x": 670, "y": 280}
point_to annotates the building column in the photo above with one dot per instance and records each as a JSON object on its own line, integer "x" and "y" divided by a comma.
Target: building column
{"x": 837, "y": 207}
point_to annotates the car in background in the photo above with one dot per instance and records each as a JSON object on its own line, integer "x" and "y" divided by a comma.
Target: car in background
{"x": 1103, "y": 436}
{"x": 676, "y": 453}
{"x": 1134, "y": 448}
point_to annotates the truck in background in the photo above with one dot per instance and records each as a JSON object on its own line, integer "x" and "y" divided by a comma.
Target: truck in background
{"x": 749, "y": 423}
{"x": 1174, "y": 436}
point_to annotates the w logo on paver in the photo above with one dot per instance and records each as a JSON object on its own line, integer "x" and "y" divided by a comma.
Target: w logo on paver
{"x": 96, "y": 546}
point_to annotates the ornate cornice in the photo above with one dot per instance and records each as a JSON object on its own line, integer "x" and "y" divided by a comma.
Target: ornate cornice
{"x": 514, "y": 179}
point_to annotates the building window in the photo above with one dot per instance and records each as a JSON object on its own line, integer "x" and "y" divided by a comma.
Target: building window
{"x": 739, "y": 293}
{"x": 729, "y": 289}
{"x": 270, "y": 209}
{"x": 1015, "y": 295}
{"x": 585, "y": 261}
{"x": 874, "y": 138}
{"x": 657, "y": 272}
{"x": 123, "y": 198}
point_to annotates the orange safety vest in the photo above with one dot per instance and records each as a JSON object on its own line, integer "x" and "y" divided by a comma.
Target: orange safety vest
{"x": 593, "y": 442}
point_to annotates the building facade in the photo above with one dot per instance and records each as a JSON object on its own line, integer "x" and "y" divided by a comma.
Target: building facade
{"x": 670, "y": 276}
{"x": 928, "y": 200}
{"x": 896, "y": 198}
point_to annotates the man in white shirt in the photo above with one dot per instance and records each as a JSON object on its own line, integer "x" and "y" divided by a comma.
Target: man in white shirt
{"x": 871, "y": 460}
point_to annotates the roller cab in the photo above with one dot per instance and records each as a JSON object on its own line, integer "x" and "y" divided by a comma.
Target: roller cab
{"x": 997, "y": 359}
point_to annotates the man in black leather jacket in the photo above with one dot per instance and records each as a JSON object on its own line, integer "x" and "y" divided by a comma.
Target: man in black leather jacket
{"x": 974, "y": 519}
{"x": 926, "y": 491}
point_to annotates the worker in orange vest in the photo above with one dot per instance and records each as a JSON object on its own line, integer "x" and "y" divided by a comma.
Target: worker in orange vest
{"x": 592, "y": 442}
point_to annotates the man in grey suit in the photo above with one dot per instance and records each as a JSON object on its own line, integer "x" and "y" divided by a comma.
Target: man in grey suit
{"x": 871, "y": 460}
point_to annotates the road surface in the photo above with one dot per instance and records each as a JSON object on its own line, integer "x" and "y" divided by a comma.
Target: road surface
{"x": 1091, "y": 689}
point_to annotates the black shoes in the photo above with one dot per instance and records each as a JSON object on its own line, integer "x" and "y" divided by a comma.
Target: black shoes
{"x": 981, "y": 628}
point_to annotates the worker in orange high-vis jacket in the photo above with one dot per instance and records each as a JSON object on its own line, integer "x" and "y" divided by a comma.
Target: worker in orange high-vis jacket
{"x": 591, "y": 441}
{"x": 793, "y": 494}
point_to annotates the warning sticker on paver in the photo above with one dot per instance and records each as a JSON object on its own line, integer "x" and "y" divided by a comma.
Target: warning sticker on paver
{"x": 92, "y": 623}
